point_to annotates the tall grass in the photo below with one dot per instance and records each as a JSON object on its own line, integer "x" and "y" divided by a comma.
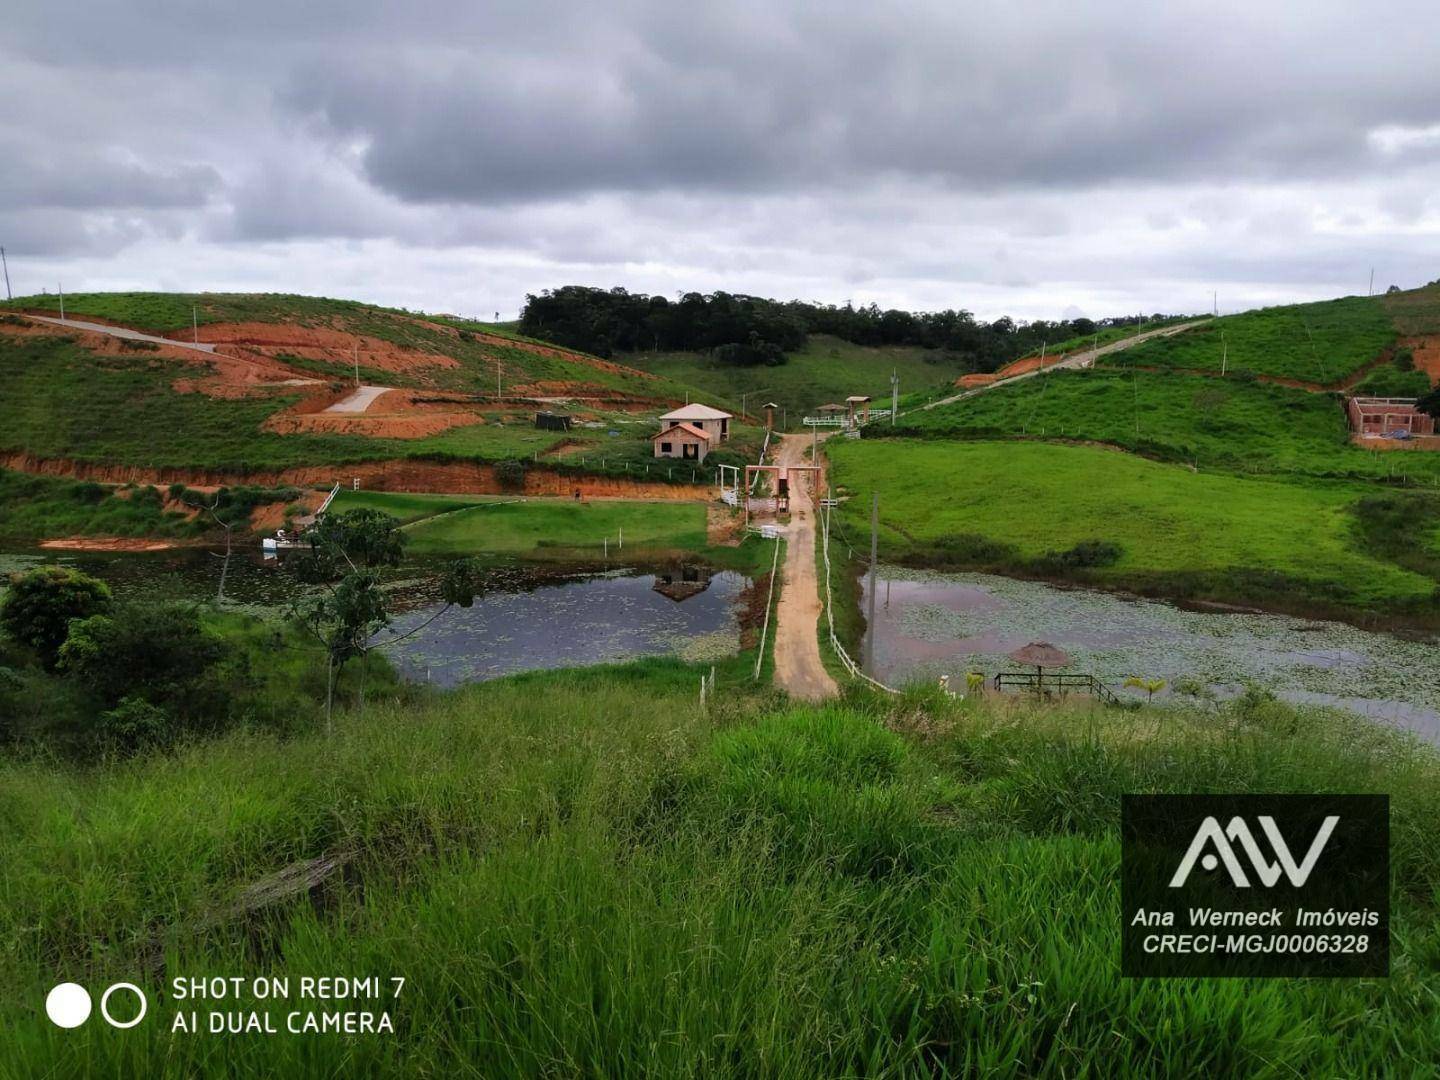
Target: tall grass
{"x": 581, "y": 874}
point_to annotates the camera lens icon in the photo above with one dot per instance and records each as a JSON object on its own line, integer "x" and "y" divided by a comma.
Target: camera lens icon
{"x": 68, "y": 1005}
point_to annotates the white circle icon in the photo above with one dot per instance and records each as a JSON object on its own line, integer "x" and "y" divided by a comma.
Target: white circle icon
{"x": 68, "y": 1005}
{"x": 105, "y": 1005}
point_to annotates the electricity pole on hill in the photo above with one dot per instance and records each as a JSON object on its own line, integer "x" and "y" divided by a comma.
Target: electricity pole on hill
{"x": 7, "y": 274}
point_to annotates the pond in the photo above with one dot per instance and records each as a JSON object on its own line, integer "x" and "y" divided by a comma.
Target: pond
{"x": 931, "y": 624}
{"x": 525, "y": 618}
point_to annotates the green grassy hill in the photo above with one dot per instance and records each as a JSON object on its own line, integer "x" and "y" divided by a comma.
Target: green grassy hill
{"x": 826, "y": 370}
{"x": 127, "y": 406}
{"x": 1320, "y": 343}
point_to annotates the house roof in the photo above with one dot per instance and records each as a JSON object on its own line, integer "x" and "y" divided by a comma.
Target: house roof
{"x": 686, "y": 428}
{"x": 858, "y": 397}
{"x": 696, "y": 412}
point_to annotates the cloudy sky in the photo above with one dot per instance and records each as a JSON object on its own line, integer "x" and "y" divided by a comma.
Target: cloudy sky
{"x": 1024, "y": 158}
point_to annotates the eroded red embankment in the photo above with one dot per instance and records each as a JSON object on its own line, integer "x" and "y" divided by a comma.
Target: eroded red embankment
{"x": 451, "y": 478}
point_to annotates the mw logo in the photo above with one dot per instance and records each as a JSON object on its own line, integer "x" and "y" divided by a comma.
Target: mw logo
{"x": 1239, "y": 833}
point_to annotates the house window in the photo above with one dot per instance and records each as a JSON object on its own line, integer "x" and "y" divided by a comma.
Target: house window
{"x": 691, "y": 450}
{"x": 674, "y": 423}
{"x": 667, "y": 448}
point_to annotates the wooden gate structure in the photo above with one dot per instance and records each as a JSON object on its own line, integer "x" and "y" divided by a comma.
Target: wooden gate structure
{"x": 780, "y": 502}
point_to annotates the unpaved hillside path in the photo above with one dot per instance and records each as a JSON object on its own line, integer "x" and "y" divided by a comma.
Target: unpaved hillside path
{"x": 359, "y": 401}
{"x": 1074, "y": 360}
{"x": 798, "y": 669}
{"x": 122, "y": 332}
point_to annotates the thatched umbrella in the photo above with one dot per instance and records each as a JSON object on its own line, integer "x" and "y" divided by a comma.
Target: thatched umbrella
{"x": 1040, "y": 655}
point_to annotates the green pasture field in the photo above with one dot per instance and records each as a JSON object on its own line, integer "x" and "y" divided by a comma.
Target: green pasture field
{"x": 405, "y": 506}
{"x": 583, "y": 873}
{"x": 826, "y": 370}
{"x": 1236, "y": 424}
{"x": 1319, "y": 343}
{"x": 1007, "y": 505}
{"x": 1107, "y": 336}
{"x": 561, "y": 526}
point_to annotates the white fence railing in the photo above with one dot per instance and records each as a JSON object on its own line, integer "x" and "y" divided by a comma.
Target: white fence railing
{"x": 769, "y": 603}
{"x": 845, "y": 422}
{"x": 849, "y": 664}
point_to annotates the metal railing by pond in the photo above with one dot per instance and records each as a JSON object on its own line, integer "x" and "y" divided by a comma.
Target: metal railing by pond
{"x": 1057, "y": 683}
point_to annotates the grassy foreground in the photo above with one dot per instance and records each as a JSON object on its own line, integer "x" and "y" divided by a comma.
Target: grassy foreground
{"x": 1006, "y": 505}
{"x": 579, "y": 873}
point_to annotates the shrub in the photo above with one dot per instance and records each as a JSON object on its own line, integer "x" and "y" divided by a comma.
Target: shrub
{"x": 39, "y": 606}
{"x": 974, "y": 548}
{"x": 1086, "y": 554}
{"x": 510, "y": 474}
{"x": 158, "y": 653}
{"x": 134, "y": 725}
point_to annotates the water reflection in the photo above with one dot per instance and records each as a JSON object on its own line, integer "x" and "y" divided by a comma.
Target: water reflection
{"x": 937, "y": 624}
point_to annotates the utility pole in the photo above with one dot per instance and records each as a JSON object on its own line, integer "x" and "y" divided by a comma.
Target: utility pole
{"x": 7, "y": 274}
{"x": 356, "y": 358}
{"x": 1215, "y": 301}
{"x": 1371, "y": 290}
{"x": 61, "y": 286}
{"x": 894, "y": 394}
{"x": 498, "y": 394}
{"x": 874, "y": 564}
{"x": 1224, "y": 353}
{"x": 194, "y": 325}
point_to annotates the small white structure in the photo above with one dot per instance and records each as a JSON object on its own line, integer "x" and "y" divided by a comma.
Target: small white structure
{"x": 715, "y": 423}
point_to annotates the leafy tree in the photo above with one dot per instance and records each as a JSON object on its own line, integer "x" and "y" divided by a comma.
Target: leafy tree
{"x": 39, "y": 607}
{"x": 1430, "y": 403}
{"x": 158, "y": 653}
{"x": 350, "y": 607}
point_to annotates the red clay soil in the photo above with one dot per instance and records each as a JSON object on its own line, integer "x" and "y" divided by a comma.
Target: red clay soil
{"x": 395, "y": 414}
{"x": 451, "y": 478}
{"x": 328, "y": 344}
{"x": 1427, "y": 355}
{"x": 969, "y": 382}
{"x": 217, "y": 374}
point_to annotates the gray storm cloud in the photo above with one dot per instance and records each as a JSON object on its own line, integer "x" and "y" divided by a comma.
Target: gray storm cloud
{"x": 920, "y": 153}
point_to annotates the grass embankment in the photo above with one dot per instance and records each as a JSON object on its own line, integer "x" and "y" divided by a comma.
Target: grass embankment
{"x": 1235, "y": 424}
{"x": 826, "y": 370}
{"x": 580, "y": 873}
{"x": 1022, "y": 507}
{"x": 1317, "y": 343}
{"x": 42, "y": 507}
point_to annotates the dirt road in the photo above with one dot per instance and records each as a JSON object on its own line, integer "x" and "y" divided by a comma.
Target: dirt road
{"x": 798, "y": 669}
{"x": 1074, "y": 360}
{"x": 121, "y": 332}
{"x": 359, "y": 401}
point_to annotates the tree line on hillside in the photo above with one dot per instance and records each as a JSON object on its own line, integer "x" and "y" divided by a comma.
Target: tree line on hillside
{"x": 749, "y": 330}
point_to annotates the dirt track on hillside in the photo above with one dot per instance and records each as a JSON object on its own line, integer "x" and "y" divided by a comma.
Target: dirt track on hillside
{"x": 798, "y": 668}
